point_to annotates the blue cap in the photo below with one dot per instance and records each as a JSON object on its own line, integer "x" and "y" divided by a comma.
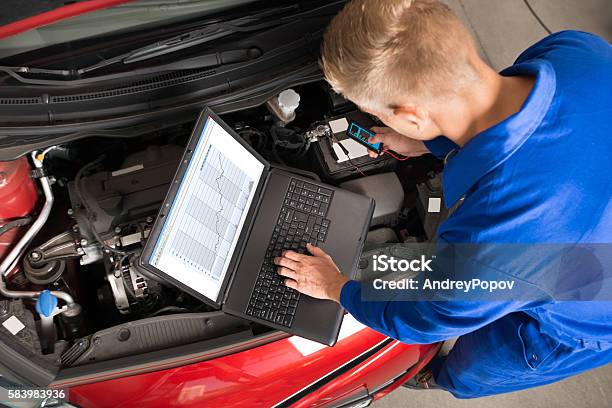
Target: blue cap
{"x": 46, "y": 303}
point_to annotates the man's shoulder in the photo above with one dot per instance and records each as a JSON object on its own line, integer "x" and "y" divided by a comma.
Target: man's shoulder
{"x": 568, "y": 44}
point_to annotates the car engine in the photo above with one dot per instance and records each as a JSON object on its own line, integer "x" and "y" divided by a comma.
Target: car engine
{"x": 81, "y": 235}
{"x": 111, "y": 213}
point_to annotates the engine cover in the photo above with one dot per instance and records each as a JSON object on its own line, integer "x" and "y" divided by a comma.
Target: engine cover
{"x": 132, "y": 193}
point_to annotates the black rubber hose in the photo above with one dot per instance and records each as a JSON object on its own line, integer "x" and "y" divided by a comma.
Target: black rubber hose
{"x": 16, "y": 223}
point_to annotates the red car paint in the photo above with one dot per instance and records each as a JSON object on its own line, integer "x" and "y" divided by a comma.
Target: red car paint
{"x": 55, "y": 15}
{"x": 18, "y": 197}
{"x": 264, "y": 376}
{"x": 17, "y": 190}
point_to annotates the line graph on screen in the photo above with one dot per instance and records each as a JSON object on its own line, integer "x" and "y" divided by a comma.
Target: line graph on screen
{"x": 213, "y": 213}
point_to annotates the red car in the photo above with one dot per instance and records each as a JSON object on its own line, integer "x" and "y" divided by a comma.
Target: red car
{"x": 97, "y": 101}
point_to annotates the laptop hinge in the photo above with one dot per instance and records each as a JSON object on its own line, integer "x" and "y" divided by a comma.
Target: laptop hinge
{"x": 251, "y": 222}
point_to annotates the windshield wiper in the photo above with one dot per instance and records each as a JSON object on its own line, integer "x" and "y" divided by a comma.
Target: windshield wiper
{"x": 201, "y": 36}
{"x": 183, "y": 41}
{"x": 203, "y": 61}
{"x": 189, "y": 39}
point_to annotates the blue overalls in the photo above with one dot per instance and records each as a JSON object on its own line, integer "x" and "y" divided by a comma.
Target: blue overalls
{"x": 543, "y": 175}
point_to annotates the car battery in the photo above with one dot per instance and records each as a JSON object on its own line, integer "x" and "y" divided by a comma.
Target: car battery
{"x": 336, "y": 165}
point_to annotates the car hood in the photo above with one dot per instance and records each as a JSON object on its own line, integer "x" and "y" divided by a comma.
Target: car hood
{"x": 39, "y": 114}
{"x": 23, "y": 15}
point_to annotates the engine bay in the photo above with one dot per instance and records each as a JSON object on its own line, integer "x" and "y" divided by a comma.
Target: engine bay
{"x": 81, "y": 213}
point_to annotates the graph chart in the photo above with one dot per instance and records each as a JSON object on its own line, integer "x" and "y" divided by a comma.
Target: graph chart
{"x": 213, "y": 212}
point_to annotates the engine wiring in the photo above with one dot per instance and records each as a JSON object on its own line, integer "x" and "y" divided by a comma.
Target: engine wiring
{"x": 395, "y": 155}
{"x": 346, "y": 152}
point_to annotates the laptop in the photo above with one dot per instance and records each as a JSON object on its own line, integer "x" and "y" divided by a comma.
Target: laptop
{"x": 229, "y": 212}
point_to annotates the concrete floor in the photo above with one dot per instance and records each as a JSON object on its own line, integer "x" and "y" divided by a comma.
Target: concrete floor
{"x": 592, "y": 389}
{"x": 503, "y": 29}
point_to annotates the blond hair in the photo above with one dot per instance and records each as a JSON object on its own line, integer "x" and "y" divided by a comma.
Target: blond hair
{"x": 377, "y": 52}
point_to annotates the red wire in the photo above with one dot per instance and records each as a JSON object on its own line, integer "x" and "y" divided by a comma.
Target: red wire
{"x": 358, "y": 169}
{"x": 396, "y": 157}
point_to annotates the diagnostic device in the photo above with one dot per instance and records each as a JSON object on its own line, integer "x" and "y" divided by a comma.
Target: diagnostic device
{"x": 362, "y": 135}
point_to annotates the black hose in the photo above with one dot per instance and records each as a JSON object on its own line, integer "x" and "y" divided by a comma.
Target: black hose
{"x": 169, "y": 309}
{"x": 16, "y": 223}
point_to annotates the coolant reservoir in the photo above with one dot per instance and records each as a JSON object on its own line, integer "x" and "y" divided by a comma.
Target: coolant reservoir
{"x": 17, "y": 190}
{"x": 284, "y": 105}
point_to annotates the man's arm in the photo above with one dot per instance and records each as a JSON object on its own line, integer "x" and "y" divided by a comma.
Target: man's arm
{"x": 409, "y": 147}
{"x": 422, "y": 322}
{"x": 408, "y": 321}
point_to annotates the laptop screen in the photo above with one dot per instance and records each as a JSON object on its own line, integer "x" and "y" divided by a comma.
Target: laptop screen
{"x": 202, "y": 228}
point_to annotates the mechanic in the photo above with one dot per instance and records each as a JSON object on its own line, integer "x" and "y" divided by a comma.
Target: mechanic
{"x": 530, "y": 152}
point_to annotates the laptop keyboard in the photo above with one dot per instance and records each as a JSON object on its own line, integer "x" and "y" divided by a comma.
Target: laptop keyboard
{"x": 301, "y": 220}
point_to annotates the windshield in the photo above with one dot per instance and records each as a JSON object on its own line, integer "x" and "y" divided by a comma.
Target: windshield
{"x": 134, "y": 15}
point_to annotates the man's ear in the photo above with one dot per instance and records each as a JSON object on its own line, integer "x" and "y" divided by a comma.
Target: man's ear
{"x": 414, "y": 115}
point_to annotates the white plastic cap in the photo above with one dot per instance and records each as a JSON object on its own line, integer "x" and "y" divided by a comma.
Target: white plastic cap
{"x": 288, "y": 101}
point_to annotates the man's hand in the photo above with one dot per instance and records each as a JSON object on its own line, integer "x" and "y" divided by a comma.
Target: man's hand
{"x": 397, "y": 142}
{"x": 316, "y": 275}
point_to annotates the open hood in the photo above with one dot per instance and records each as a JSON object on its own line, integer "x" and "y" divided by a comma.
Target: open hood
{"x": 22, "y": 15}
{"x": 31, "y": 24}
{"x": 237, "y": 58}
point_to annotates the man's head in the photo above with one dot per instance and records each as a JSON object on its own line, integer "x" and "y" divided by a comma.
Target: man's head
{"x": 398, "y": 59}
